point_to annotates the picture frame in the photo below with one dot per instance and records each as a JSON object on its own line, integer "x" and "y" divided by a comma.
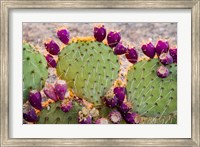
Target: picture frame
{"x": 7, "y": 5}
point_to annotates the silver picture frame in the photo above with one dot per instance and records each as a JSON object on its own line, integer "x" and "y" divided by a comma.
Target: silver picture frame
{"x": 7, "y": 5}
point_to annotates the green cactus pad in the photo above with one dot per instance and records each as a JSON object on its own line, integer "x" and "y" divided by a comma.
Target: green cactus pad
{"x": 89, "y": 68}
{"x": 35, "y": 70}
{"x": 150, "y": 95}
{"x": 104, "y": 111}
{"x": 168, "y": 119}
{"x": 56, "y": 116}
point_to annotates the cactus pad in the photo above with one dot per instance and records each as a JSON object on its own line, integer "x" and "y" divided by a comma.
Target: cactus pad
{"x": 34, "y": 70}
{"x": 89, "y": 68}
{"x": 168, "y": 119}
{"x": 54, "y": 115}
{"x": 150, "y": 95}
{"x": 104, "y": 111}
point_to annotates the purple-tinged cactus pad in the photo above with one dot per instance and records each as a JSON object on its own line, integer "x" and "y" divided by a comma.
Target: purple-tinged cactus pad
{"x": 115, "y": 116}
{"x": 52, "y": 47}
{"x": 162, "y": 47}
{"x": 113, "y": 38}
{"x": 149, "y": 50}
{"x": 132, "y": 55}
{"x": 120, "y": 93}
{"x": 66, "y": 105}
{"x": 162, "y": 72}
{"x": 166, "y": 59}
{"x": 131, "y": 118}
{"x": 99, "y": 33}
{"x": 64, "y": 35}
{"x": 51, "y": 61}
{"x": 173, "y": 53}
{"x": 30, "y": 115}
{"x": 120, "y": 49}
{"x": 35, "y": 99}
{"x": 61, "y": 89}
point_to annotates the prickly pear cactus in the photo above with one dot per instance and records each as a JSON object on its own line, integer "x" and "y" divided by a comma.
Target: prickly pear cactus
{"x": 89, "y": 68}
{"x": 35, "y": 70}
{"x": 88, "y": 87}
{"x": 150, "y": 95}
{"x": 54, "y": 115}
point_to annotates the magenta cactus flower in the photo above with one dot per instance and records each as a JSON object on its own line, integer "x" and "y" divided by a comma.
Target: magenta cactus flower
{"x": 149, "y": 50}
{"x": 162, "y": 47}
{"x": 35, "y": 99}
{"x": 30, "y": 115}
{"x": 120, "y": 93}
{"x": 162, "y": 72}
{"x": 111, "y": 102}
{"x": 173, "y": 53}
{"x": 52, "y": 47}
{"x": 115, "y": 116}
{"x": 99, "y": 33}
{"x": 166, "y": 59}
{"x": 132, "y": 118}
{"x": 64, "y": 35}
{"x": 132, "y": 55}
{"x": 66, "y": 105}
{"x": 125, "y": 107}
{"x": 61, "y": 89}
{"x": 50, "y": 92}
{"x": 113, "y": 38}
{"x": 51, "y": 61}
{"x": 120, "y": 49}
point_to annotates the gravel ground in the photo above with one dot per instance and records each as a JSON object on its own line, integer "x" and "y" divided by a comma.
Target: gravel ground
{"x": 133, "y": 34}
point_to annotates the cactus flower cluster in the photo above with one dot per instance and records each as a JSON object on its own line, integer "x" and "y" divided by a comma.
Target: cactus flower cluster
{"x": 53, "y": 48}
{"x": 122, "y": 108}
{"x": 87, "y": 115}
{"x": 116, "y": 98}
{"x": 165, "y": 54}
{"x": 55, "y": 93}
{"x": 114, "y": 41}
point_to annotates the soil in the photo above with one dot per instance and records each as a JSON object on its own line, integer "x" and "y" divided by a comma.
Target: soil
{"x": 133, "y": 34}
